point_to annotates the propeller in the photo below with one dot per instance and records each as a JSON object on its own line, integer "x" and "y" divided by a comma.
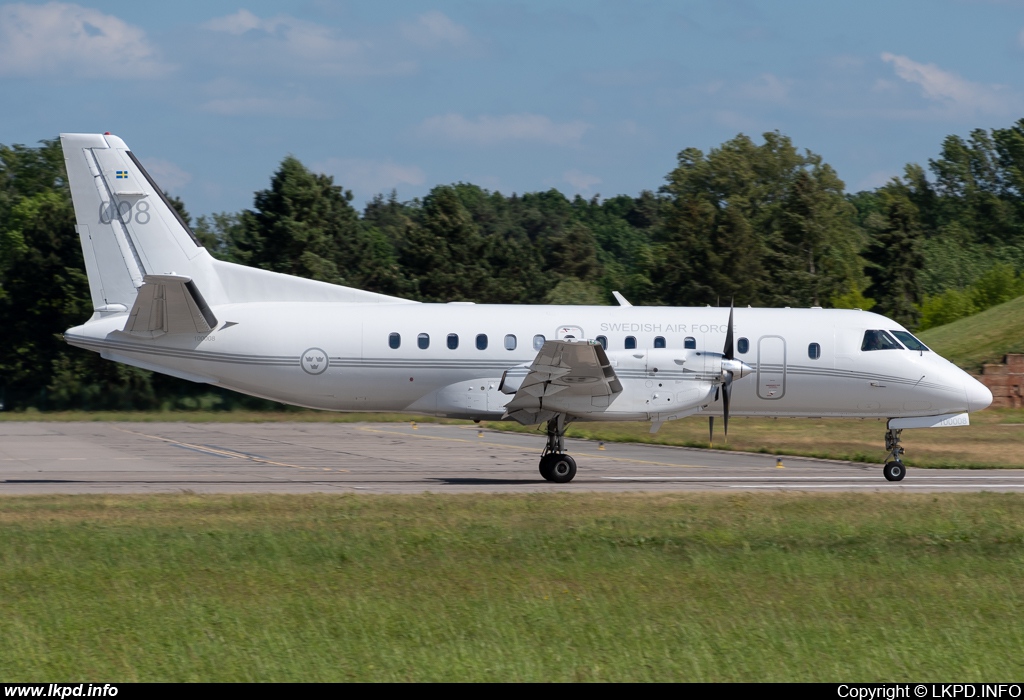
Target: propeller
{"x": 731, "y": 367}
{"x": 728, "y": 354}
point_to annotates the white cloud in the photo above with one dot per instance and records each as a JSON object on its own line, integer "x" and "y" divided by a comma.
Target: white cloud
{"x": 580, "y": 180}
{"x": 73, "y": 41}
{"x": 295, "y": 45}
{"x": 950, "y": 89}
{"x": 169, "y": 176}
{"x": 435, "y": 29}
{"x": 238, "y": 23}
{"x": 488, "y": 130}
{"x": 370, "y": 176}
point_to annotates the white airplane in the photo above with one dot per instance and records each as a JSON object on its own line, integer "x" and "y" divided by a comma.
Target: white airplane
{"x": 163, "y": 303}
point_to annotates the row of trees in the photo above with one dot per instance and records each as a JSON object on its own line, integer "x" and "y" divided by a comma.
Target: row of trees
{"x": 758, "y": 223}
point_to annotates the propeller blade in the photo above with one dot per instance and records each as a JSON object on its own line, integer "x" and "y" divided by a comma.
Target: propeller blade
{"x": 728, "y": 351}
{"x": 726, "y": 396}
{"x": 711, "y": 430}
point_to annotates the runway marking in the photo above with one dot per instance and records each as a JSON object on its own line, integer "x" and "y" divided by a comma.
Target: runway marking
{"x": 220, "y": 452}
{"x": 880, "y": 485}
{"x": 793, "y": 478}
{"x": 513, "y": 447}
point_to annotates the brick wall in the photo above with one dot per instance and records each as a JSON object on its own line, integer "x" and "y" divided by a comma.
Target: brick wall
{"x": 1005, "y": 381}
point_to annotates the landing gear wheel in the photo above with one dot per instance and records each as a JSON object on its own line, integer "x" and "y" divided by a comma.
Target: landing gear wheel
{"x": 563, "y": 468}
{"x": 894, "y": 471}
{"x": 546, "y": 463}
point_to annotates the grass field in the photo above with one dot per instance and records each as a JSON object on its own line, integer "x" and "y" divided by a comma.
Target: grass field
{"x": 697, "y": 587}
{"x": 984, "y": 337}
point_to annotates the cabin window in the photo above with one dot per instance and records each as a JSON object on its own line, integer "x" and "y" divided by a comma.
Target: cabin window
{"x": 630, "y": 342}
{"x": 603, "y": 341}
{"x": 814, "y": 351}
{"x": 879, "y": 340}
{"x": 659, "y": 342}
{"x": 510, "y": 342}
{"x": 538, "y": 342}
{"x": 481, "y": 342}
{"x": 423, "y": 341}
{"x": 690, "y": 343}
{"x": 394, "y": 341}
{"x": 743, "y": 346}
{"x": 453, "y": 341}
{"x": 910, "y": 341}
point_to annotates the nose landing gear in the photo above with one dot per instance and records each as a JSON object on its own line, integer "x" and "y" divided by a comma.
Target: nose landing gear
{"x": 555, "y": 465}
{"x": 894, "y": 469}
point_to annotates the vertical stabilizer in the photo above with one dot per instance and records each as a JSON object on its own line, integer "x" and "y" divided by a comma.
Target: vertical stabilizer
{"x": 127, "y": 226}
{"x": 130, "y": 232}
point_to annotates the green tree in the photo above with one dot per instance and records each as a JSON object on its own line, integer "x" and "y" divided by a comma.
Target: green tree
{"x": 443, "y": 254}
{"x": 761, "y": 224}
{"x": 304, "y": 225}
{"x": 894, "y": 257}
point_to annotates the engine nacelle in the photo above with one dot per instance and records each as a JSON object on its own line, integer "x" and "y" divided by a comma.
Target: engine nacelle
{"x": 668, "y": 362}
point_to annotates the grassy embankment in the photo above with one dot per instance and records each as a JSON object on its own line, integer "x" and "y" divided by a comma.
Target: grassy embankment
{"x": 984, "y": 337}
{"x": 698, "y": 587}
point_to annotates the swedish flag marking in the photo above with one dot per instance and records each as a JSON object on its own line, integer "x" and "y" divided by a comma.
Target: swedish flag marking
{"x": 121, "y": 174}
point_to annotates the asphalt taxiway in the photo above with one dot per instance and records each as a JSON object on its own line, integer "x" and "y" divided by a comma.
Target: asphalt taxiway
{"x": 293, "y": 457}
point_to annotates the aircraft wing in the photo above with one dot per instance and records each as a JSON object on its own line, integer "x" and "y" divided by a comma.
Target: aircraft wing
{"x": 566, "y": 376}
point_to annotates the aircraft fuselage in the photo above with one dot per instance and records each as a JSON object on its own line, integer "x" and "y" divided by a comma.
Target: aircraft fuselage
{"x": 338, "y": 356}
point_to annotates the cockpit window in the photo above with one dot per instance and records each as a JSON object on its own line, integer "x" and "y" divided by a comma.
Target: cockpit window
{"x": 879, "y": 340}
{"x": 910, "y": 341}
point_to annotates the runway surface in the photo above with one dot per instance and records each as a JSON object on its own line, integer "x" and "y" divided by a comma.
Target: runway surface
{"x": 40, "y": 458}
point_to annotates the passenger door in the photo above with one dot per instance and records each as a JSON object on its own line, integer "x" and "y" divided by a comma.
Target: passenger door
{"x": 771, "y": 367}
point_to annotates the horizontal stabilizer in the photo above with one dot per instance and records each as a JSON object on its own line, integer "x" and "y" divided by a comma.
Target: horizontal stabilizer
{"x": 169, "y": 304}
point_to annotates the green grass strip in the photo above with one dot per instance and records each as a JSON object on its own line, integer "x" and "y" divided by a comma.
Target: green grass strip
{"x": 554, "y": 587}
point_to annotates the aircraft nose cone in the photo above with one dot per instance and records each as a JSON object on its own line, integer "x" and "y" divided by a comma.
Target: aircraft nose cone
{"x": 978, "y": 395}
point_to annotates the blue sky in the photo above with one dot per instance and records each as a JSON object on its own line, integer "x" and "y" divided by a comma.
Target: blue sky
{"x": 592, "y": 97}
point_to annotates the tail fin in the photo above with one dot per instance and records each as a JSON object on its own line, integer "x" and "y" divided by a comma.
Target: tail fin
{"x": 127, "y": 226}
{"x": 130, "y": 231}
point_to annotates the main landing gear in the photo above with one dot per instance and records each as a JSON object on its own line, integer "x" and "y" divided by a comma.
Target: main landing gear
{"x": 894, "y": 469}
{"x": 555, "y": 465}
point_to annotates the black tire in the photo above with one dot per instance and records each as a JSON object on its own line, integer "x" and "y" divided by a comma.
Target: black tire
{"x": 545, "y": 466}
{"x": 894, "y": 471}
{"x": 563, "y": 469}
